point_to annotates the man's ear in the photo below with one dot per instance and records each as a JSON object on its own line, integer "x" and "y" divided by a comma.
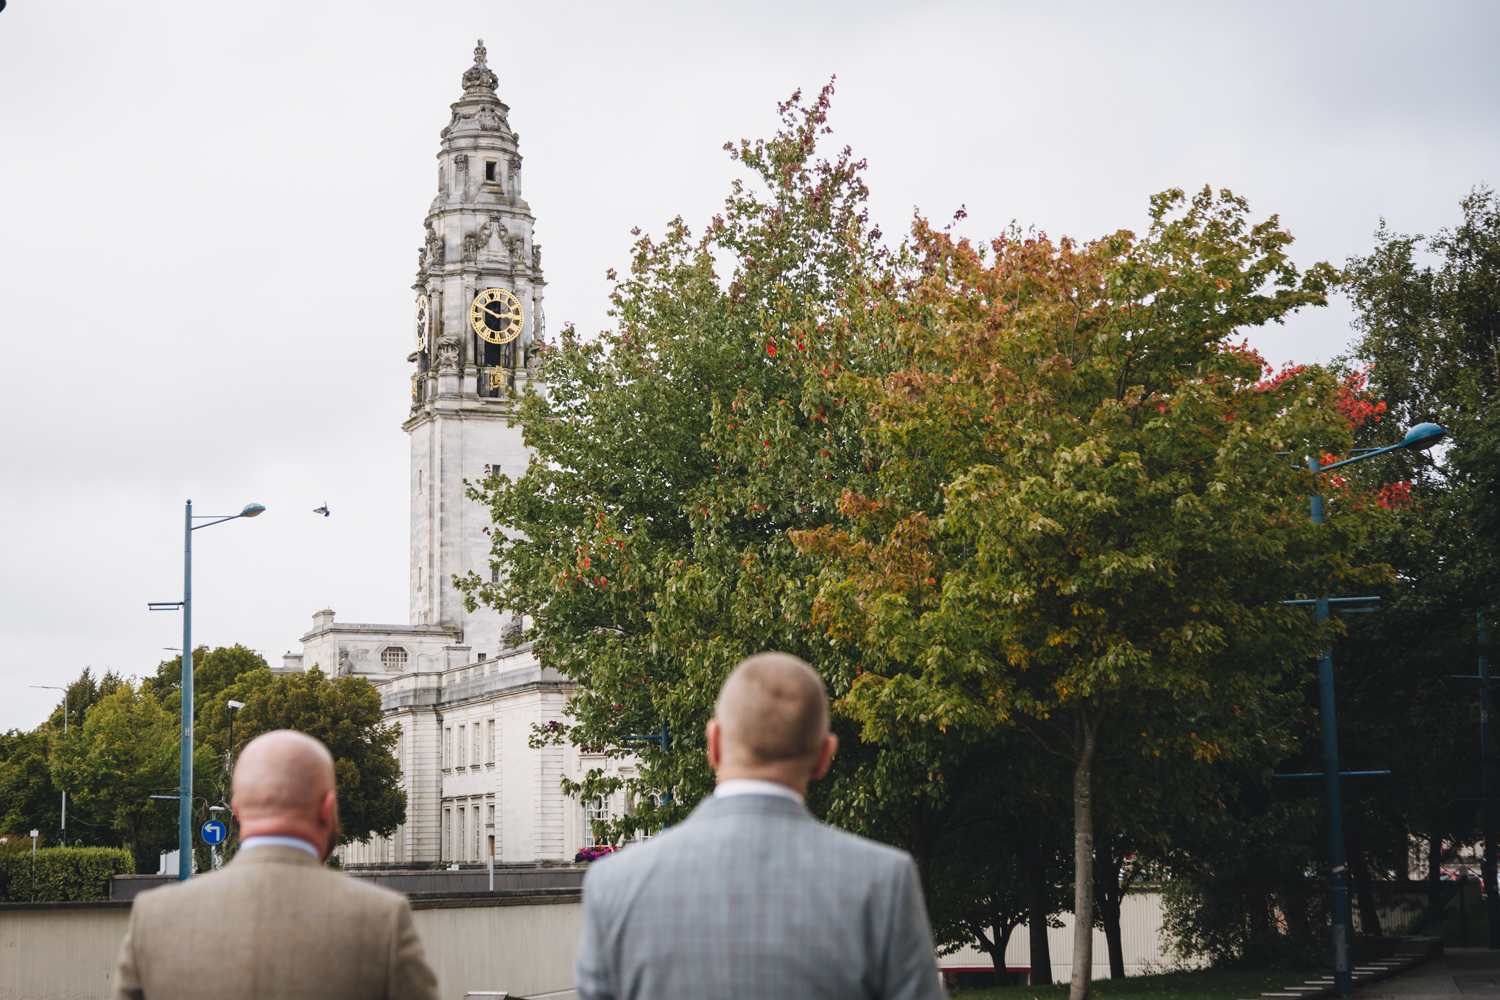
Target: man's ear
{"x": 825, "y": 756}
{"x": 711, "y": 735}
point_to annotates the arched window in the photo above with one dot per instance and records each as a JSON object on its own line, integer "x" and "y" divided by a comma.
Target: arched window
{"x": 393, "y": 658}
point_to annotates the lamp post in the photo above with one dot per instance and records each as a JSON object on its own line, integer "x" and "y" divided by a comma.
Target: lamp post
{"x": 1419, "y": 438}
{"x": 233, "y": 706}
{"x": 185, "y": 788}
{"x": 54, "y": 687}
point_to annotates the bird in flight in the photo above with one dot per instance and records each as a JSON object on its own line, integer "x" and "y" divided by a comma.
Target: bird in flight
{"x": 322, "y": 510}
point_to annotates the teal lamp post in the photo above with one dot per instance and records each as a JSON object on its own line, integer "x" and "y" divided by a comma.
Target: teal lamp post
{"x": 185, "y": 787}
{"x": 1419, "y": 438}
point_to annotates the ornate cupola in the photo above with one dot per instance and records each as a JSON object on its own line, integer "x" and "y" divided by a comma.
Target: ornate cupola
{"x": 479, "y": 278}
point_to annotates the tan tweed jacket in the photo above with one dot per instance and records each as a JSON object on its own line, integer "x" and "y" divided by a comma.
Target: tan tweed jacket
{"x": 272, "y": 923}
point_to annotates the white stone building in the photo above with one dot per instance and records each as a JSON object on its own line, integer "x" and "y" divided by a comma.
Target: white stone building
{"x": 464, "y": 689}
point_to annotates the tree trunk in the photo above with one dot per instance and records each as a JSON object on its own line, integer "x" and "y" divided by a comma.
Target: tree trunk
{"x": 1036, "y": 917}
{"x": 1110, "y": 914}
{"x": 1109, "y": 896}
{"x": 1086, "y": 734}
{"x": 997, "y": 953}
{"x": 1434, "y": 869}
{"x": 1364, "y": 894}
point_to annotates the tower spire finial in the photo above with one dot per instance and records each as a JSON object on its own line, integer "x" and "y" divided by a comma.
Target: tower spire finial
{"x": 480, "y": 76}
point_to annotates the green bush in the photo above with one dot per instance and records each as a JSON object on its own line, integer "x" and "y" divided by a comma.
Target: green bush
{"x": 62, "y": 873}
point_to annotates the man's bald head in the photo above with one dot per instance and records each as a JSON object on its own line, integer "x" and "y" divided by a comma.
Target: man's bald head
{"x": 282, "y": 775}
{"x": 772, "y": 709}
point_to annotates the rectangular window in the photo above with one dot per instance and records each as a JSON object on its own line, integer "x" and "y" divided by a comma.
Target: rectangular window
{"x": 483, "y": 657}
{"x": 489, "y": 170}
{"x": 448, "y": 746}
{"x": 460, "y": 746}
{"x": 494, "y": 574}
{"x": 459, "y": 854}
{"x": 447, "y": 834}
{"x": 595, "y": 809}
{"x": 490, "y": 756}
{"x": 475, "y": 756}
{"x": 477, "y": 856}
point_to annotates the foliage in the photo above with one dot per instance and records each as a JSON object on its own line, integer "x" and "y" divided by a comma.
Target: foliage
{"x": 345, "y": 714}
{"x": 646, "y": 539}
{"x": 29, "y": 798}
{"x": 1083, "y": 517}
{"x": 63, "y": 874}
{"x": 128, "y": 749}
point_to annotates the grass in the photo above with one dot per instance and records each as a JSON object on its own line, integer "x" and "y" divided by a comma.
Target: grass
{"x": 1196, "y": 984}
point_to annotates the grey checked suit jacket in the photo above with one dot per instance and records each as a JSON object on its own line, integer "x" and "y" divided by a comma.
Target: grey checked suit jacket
{"x": 753, "y": 899}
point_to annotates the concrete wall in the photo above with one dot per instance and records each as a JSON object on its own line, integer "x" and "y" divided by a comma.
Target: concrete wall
{"x": 61, "y": 951}
{"x": 66, "y": 951}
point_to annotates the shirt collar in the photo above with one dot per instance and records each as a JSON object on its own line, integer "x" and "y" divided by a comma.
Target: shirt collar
{"x": 754, "y": 786}
{"x": 250, "y": 843}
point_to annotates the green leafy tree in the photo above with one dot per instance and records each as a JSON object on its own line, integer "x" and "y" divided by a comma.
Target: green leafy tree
{"x": 30, "y": 800}
{"x": 1083, "y": 512}
{"x": 128, "y": 749}
{"x": 345, "y": 714}
{"x": 647, "y": 538}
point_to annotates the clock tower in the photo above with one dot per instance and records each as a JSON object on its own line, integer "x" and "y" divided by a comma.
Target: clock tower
{"x": 464, "y": 688}
{"x": 478, "y": 325}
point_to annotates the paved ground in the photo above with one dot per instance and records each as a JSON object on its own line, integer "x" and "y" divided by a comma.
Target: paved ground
{"x": 1460, "y": 972}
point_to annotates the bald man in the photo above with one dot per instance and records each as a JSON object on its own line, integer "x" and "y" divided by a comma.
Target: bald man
{"x": 751, "y": 898}
{"x": 275, "y": 922}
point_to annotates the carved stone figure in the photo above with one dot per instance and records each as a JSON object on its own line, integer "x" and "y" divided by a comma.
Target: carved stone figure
{"x": 536, "y": 256}
{"x": 490, "y": 120}
{"x": 473, "y": 243}
{"x": 511, "y": 632}
{"x": 515, "y": 168}
{"x": 447, "y": 354}
{"x": 435, "y": 250}
{"x": 461, "y": 161}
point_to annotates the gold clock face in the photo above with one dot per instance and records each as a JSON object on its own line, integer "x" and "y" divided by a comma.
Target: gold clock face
{"x": 496, "y": 315}
{"x": 423, "y": 321}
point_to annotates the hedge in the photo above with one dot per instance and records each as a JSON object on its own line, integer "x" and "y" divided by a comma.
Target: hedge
{"x": 62, "y": 873}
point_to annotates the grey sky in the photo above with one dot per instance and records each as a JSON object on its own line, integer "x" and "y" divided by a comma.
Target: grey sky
{"x": 209, "y": 216}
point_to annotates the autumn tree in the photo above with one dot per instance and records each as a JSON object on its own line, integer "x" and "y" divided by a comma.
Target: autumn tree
{"x": 647, "y": 538}
{"x": 1083, "y": 511}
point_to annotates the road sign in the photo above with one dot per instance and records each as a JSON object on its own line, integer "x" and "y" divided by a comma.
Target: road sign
{"x": 214, "y": 832}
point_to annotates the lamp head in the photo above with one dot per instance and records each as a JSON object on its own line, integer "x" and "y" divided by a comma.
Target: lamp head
{"x": 251, "y": 509}
{"x": 1423, "y": 436}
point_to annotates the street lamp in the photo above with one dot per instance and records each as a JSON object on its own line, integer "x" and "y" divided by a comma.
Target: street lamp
{"x": 229, "y": 751}
{"x": 1419, "y": 438}
{"x": 185, "y": 788}
{"x": 54, "y": 687}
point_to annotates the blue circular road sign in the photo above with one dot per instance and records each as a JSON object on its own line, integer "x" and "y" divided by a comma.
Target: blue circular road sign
{"x": 214, "y": 832}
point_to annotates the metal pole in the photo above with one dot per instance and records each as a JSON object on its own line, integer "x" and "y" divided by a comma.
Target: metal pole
{"x": 1487, "y": 779}
{"x": 33, "y": 864}
{"x": 185, "y": 789}
{"x": 1343, "y": 976}
{"x": 65, "y": 790}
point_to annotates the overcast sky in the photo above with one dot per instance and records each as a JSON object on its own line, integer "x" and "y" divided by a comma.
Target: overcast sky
{"x": 209, "y": 216}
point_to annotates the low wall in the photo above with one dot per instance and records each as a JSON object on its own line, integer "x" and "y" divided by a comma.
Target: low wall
{"x": 475, "y": 880}
{"x": 524, "y": 942}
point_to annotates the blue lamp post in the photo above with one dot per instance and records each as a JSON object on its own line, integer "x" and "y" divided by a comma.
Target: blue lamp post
{"x": 185, "y": 788}
{"x": 1419, "y": 438}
